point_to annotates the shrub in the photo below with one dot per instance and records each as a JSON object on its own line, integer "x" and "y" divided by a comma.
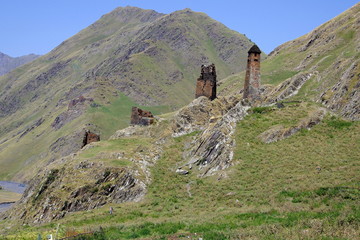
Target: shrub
{"x": 338, "y": 123}
{"x": 261, "y": 110}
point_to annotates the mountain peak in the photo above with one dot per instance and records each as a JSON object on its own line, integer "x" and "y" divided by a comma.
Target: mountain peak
{"x": 183, "y": 11}
{"x": 8, "y": 63}
{"x": 133, "y": 11}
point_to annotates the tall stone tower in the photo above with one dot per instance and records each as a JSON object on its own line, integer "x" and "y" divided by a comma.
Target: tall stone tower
{"x": 252, "y": 77}
{"x": 206, "y": 83}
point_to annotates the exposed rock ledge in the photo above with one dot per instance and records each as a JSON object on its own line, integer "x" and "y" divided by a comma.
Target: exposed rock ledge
{"x": 288, "y": 88}
{"x": 201, "y": 111}
{"x": 54, "y": 194}
{"x": 344, "y": 96}
{"x": 213, "y": 149}
{"x": 279, "y": 132}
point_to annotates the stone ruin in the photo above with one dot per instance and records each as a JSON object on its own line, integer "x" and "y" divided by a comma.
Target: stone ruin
{"x": 90, "y": 137}
{"x": 141, "y": 117}
{"x": 206, "y": 83}
{"x": 252, "y": 77}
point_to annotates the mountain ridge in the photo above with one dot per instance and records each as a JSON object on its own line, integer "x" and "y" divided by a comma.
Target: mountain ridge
{"x": 8, "y": 63}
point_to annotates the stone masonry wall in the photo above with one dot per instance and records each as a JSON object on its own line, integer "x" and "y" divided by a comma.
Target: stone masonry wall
{"x": 90, "y": 137}
{"x": 141, "y": 117}
{"x": 252, "y": 77}
{"x": 206, "y": 83}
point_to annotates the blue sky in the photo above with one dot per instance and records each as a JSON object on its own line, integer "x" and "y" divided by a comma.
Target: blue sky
{"x": 37, "y": 26}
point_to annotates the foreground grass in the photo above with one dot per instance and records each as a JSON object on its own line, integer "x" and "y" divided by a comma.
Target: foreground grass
{"x": 304, "y": 187}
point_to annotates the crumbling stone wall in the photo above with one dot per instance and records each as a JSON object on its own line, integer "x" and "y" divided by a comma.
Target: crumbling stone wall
{"x": 252, "y": 77}
{"x": 206, "y": 83}
{"x": 141, "y": 117}
{"x": 90, "y": 137}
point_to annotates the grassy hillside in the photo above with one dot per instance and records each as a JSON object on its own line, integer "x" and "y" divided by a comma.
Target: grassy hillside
{"x": 330, "y": 53}
{"x": 305, "y": 186}
{"x": 128, "y": 57}
{"x": 290, "y": 171}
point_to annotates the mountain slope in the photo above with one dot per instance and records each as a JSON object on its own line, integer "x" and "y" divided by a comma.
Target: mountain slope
{"x": 216, "y": 169}
{"x": 306, "y": 184}
{"x": 330, "y": 54}
{"x": 8, "y": 63}
{"x": 128, "y": 57}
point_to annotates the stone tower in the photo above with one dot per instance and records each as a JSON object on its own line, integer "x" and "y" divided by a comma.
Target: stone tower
{"x": 206, "y": 83}
{"x": 252, "y": 77}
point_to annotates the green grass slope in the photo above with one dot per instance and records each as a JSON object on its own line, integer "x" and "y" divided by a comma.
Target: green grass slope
{"x": 303, "y": 187}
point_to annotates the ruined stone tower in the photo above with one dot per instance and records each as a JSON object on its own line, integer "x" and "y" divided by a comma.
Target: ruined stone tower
{"x": 252, "y": 77}
{"x": 90, "y": 137}
{"x": 206, "y": 83}
{"x": 141, "y": 117}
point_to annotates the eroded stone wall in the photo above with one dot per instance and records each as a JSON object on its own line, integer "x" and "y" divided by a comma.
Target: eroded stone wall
{"x": 141, "y": 117}
{"x": 206, "y": 83}
{"x": 90, "y": 137}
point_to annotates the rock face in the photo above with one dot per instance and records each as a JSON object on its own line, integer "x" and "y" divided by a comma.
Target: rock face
{"x": 141, "y": 117}
{"x": 76, "y": 108}
{"x": 213, "y": 150}
{"x": 80, "y": 100}
{"x": 206, "y": 83}
{"x": 331, "y": 54}
{"x": 252, "y": 77}
{"x": 50, "y": 196}
{"x": 344, "y": 96}
{"x": 90, "y": 137}
{"x": 288, "y": 88}
{"x": 200, "y": 112}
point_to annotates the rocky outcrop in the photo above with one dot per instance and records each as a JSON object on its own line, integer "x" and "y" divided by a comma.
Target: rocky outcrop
{"x": 51, "y": 196}
{"x": 68, "y": 144}
{"x": 200, "y": 112}
{"x": 288, "y": 88}
{"x": 213, "y": 150}
{"x": 34, "y": 125}
{"x": 11, "y": 100}
{"x": 206, "y": 83}
{"x": 279, "y": 132}
{"x": 344, "y": 96}
{"x": 141, "y": 117}
{"x": 76, "y": 108}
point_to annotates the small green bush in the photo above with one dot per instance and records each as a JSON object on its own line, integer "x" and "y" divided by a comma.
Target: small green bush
{"x": 338, "y": 123}
{"x": 261, "y": 110}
